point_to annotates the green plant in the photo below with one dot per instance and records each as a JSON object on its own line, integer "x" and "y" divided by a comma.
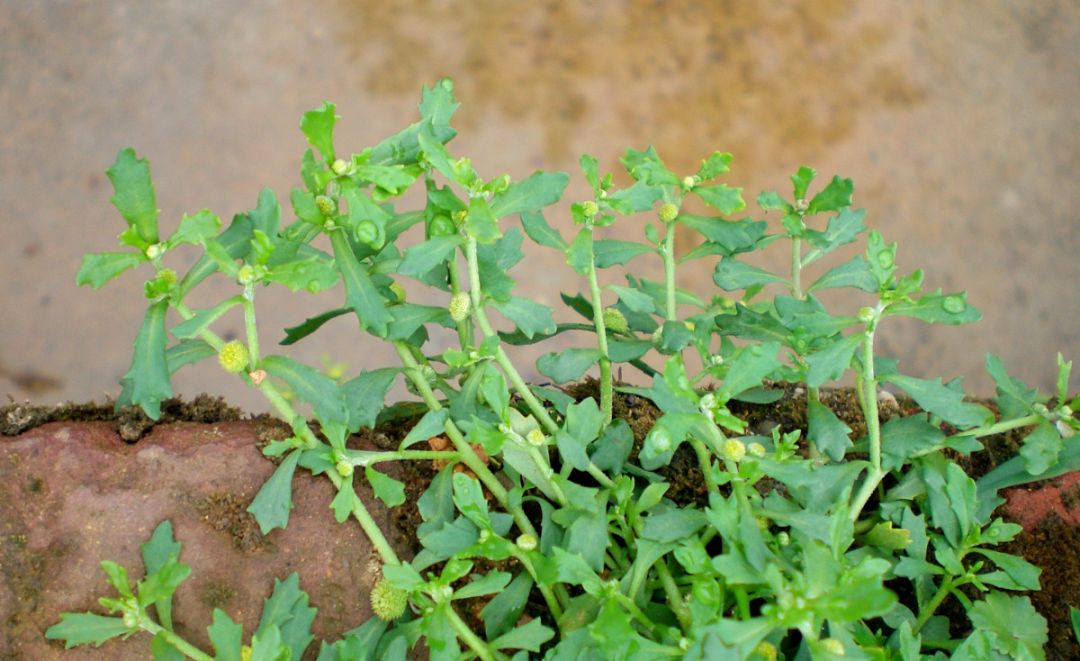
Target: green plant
{"x": 806, "y": 543}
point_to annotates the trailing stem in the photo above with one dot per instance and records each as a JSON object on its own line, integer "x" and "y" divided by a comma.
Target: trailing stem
{"x": 869, "y": 404}
{"x": 606, "y": 385}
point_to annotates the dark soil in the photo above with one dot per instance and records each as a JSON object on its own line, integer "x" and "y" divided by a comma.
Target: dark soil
{"x": 1051, "y": 543}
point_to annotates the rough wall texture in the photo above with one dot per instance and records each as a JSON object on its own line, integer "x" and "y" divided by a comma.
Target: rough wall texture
{"x": 960, "y": 123}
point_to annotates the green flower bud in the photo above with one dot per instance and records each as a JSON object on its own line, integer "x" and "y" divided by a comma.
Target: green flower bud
{"x": 167, "y": 277}
{"x": 756, "y": 449}
{"x": 442, "y": 226}
{"x": 367, "y": 233}
{"x": 766, "y": 650}
{"x": 734, "y": 449}
{"x": 340, "y": 167}
{"x": 388, "y": 601}
{"x": 327, "y": 206}
{"x": 668, "y": 212}
{"x": 535, "y": 437}
{"x": 833, "y": 646}
{"x": 246, "y": 274}
{"x": 460, "y": 303}
{"x": 526, "y": 542}
{"x": 442, "y": 594}
{"x": 782, "y": 538}
{"x": 234, "y": 357}
{"x": 131, "y": 620}
{"x": 344, "y": 468}
{"x": 614, "y": 321}
{"x": 689, "y": 182}
{"x": 867, "y": 314}
{"x": 661, "y": 439}
{"x": 801, "y": 205}
{"x": 589, "y": 208}
{"x": 155, "y": 250}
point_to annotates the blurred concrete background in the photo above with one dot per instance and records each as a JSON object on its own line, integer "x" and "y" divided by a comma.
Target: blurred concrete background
{"x": 959, "y": 122}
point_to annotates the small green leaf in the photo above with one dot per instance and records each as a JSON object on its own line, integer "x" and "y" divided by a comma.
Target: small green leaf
{"x": 429, "y": 426}
{"x": 155, "y": 553}
{"x": 1041, "y": 448}
{"x": 1013, "y": 397}
{"x": 540, "y": 231}
{"x": 904, "y": 438}
{"x": 672, "y": 524}
{"x": 715, "y": 165}
{"x": 134, "y": 197}
{"x": 638, "y": 197}
{"x": 318, "y": 127}
{"x": 422, "y": 258}
{"x": 226, "y": 636}
{"x": 853, "y": 273}
{"x": 196, "y": 229}
{"x": 841, "y": 230}
{"x": 490, "y": 583}
{"x": 769, "y": 201}
{"x": 410, "y": 317}
{"x": 579, "y": 253}
{"x": 365, "y": 396}
{"x": 529, "y": 636}
{"x": 481, "y": 223}
{"x": 187, "y": 352}
{"x": 610, "y": 252}
{"x": 533, "y": 193}
{"x": 286, "y": 610}
{"x": 801, "y": 181}
{"x": 942, "y": 401}
{"x": 836, "y": 195}
{"x": 360, "y": 292}
{"x": 725, "y": 199}
{"x": 386, "y": 488}
{"x": 235, "y": 243}
{"x": 1019, "y": 631}
{"x": 1013, "y": 572}
{"x": 99, "y": 268}
{"x": 311, "y": 386}
{"x": 272, "y": 504}
{"x": 827, "y": 431}
{"x": 568, "y": 365}
{"x": 830, "y": 363}
{"x": 938, "y": 308}
{"x": 634, "y": 299}
{"x": 204, "y": 318}
{"x": 751, "y": 364}
{"x": 86, "y": 628}
{"x": 344, "y": 502}
{"x": 647, "y": 167}
{"x": 731, "y": 274}
{"x": 146, "y": 383}
{"x": 159, "y": 585}
{"x": 394, "y": 179}
{"x": 529, "y": 317}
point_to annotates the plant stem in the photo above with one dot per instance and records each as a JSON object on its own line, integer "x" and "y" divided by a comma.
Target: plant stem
{"x": 464, "y": 327}
{"x": 501, "y": 358}
{"x": 674, "y": 596}
{"x": 812, "y": 449}
{"x": 369, "y": 458}
{"x": 873, "y": 426}
{"x": 1002, "y": 427}
{"x": 668, "y": 253}
{"x": 183, "y": 646}
{"x": 466, "y": 634}
{"x": 545, "y": 589}
{"x": 926, "y": 611}
{"x": 601, "y": 335}
{"x": 796, "y": 269}
{"x": 250, "y": 327}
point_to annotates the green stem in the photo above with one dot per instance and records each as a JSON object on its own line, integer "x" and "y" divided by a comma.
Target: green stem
{"x": 501, "y": 358}
{"x": 464, "y": 327}
{"x": 926, "y": 611}
{"x": 545, "y": 589}
{"x": 674, "y": 596}
{"x": 601, "y": 335}
{"x": 1003, "y": 426}
{"x": 370, "y": 528}
{"x": 796, "y": 269}
{"x": 183, "y": 646}
{"x": 873, "y": 426}
{"x": 668, "y": 253}
{"x": 370, "y": 458}
{"x": 250, "y": 327}
{"x": 466, "y": 634}
{"x": 812, "y": 397}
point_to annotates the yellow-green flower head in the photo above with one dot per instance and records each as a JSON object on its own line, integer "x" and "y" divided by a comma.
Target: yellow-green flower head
{"x": 734, "y": 449}
{"x": 326, "y": 206}
{"x": 155, "y": 250}
{"x": 614, "y": 321}
{"x": 589, "y": 208}
{"x": 340, "y": 167}
{"x": 756, "y": 449}
{"x": 526, "y": 542}
{"x": 668, "y": 212}
{"x": 344, "y": 468}
{"x": 460, "y": 303}
{"x": 388, "y": 601}
{"x": 833, "y": 646}
{"x": 535, "y": 437}
{"x": 245, "y": 653}
{"x": 234, "y": 357}
{"x": 765, "y": 650}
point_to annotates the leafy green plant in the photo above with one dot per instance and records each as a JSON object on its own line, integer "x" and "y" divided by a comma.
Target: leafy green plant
{"x": 815, "y": 543}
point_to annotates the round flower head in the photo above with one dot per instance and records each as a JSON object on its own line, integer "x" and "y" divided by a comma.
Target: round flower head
{"x": 526, "y": 542}
{"x": 388, "y": 601}
{"x": 765, "y": 650}
{"x": 459, "y": 306}
{"x": 668, "y": 212}
{"x": 326, "y": 205}
{"x": 615, "y": 321}
{"x": 589, "y": 208}
{"x": 734, "y": 449}
{"x": 234, "y": 357}
{"x": 833, "y": 646}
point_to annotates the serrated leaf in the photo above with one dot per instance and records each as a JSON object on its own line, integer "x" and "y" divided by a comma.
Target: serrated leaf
{"x": 235, "y": 242}
{"x": 529, "y": 317}
{"x": 365, "y": 396}
{"x": 938, "y": 308}
{"x": 1020, "y": 632}
{"x": 904, "y": 438}
{"x": 159, "y": 585}
{"x": 272, "y": 504}
{"x": 311, "y": 386}
{"x": 422, "y": 258}
{"x": 729, "y": 236}
{"x": 312, "y": 273}
{"x": 769, "y": 201}
{"x": 533, "y": 193}
{"x": 800, "y": 181}
{"x": 568, "y": 365}
{"x": 99, "y": 268}
{"x": 647, "y": 167}
{"x": 146, "y": 383}
{"x": 85, "y": 629}
{"x": 203, "y": 318}
{"x": 731, "y": 274}
{"x": 541, "y": 232}
{"x": 715, "y": 165}
{"x": 725, "y": 199}
{"x": 611, "y": 252}
{"x": 344, "y": 502}
{"x": 1014, "y": 398}
{"x": 836, "y": 195}
{"x": 360, "y": 292}
{"x": 481, "y": 223}
{"x": 853, "y": 273}
{"x": 134, "y": 195}
{"x": 1041, "y": 448}
{"x": 318, "y": 127}
{"x": 841, "y": 230}
{"x": 196, "y": 229}
{"x": 156, "y": 551}
{"x": 410, "y": 317}
{"x": 751, "y": 364}
{"x": 942, "y": 401}
{"x": 187, "y": 352}
{"x": 226, "y": 636}
{"x": 386, "y": 488}
{"x": 638, "y": 197}
{"x": 1013, "y": 572}
{"x": 286, "y": 611}
{"x": 827, "y": 431}
{"x": 394, "y": 179}
{"x": 579, "y": 253}
{"x": 830, "y": 363}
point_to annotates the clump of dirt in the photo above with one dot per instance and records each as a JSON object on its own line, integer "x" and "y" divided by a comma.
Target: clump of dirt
{"x": 132, "y": 422}
{"x": 227, "y": 513}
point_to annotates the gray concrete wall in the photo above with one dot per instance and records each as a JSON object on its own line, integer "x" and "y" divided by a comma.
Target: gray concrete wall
{"x": 958, "y": 121}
